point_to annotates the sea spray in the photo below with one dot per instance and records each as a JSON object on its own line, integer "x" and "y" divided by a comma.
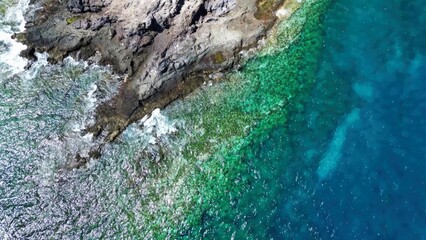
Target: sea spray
{"x": 12, "y": 22}
{"x": 35, "y": 68}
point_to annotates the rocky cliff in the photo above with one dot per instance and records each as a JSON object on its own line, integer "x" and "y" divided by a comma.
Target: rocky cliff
{"x": 163, "y": 48}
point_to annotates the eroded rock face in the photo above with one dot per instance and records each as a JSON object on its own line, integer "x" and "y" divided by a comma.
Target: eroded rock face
{"x": 155, "y": 43}
{"x": 80, "y": 6}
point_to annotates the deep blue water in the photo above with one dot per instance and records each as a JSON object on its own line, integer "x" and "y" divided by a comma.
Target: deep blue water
{"x": 357, "y": 167}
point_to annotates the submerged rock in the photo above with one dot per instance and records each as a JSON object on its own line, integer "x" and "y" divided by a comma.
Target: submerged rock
{"x": 166, "y": 48}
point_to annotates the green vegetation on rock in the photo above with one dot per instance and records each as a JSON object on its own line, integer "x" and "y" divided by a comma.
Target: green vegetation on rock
{"x": 72, "y": 19}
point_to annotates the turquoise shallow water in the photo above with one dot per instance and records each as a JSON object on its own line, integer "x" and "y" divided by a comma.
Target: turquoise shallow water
{"x": 321, "y": 140}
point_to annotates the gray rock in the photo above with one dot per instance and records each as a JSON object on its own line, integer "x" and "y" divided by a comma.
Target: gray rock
{"x": 80, "y": 6}
{"x": 157, "y": 43}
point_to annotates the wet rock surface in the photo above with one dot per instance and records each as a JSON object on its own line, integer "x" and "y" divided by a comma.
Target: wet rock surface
{"x": 163, "y": 48}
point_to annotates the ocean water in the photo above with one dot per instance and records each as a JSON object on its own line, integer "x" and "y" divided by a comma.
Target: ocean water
{"x": 357, "y": 149}
{"x": 319, "y": 136}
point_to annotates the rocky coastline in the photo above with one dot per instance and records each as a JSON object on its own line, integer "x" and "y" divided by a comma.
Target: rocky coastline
{"x": 164, "y": 49}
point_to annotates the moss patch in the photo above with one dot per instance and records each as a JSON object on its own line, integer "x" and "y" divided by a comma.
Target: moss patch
{"x": 219, "y": 58}
{"x": 72, "y": 19}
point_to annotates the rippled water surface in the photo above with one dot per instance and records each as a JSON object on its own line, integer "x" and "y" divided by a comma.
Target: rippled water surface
{"x": 318, "y": 139}
{"x": 357, "y": 149}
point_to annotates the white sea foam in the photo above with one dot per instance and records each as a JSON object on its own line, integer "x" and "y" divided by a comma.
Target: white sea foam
{"x": 91, "y": 97}
{"x": 157, "y": 126}
{"x": 281, "y": 13}
{"x": 36, "y": 66}
{"x": 13, "y": 22}
{"x": 90, "y": 101}
{"x": 334, "y": 152}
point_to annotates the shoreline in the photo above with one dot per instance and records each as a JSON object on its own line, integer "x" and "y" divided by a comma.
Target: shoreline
{"x": 163, "y": 58}
{"x": 180, "y": 181}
